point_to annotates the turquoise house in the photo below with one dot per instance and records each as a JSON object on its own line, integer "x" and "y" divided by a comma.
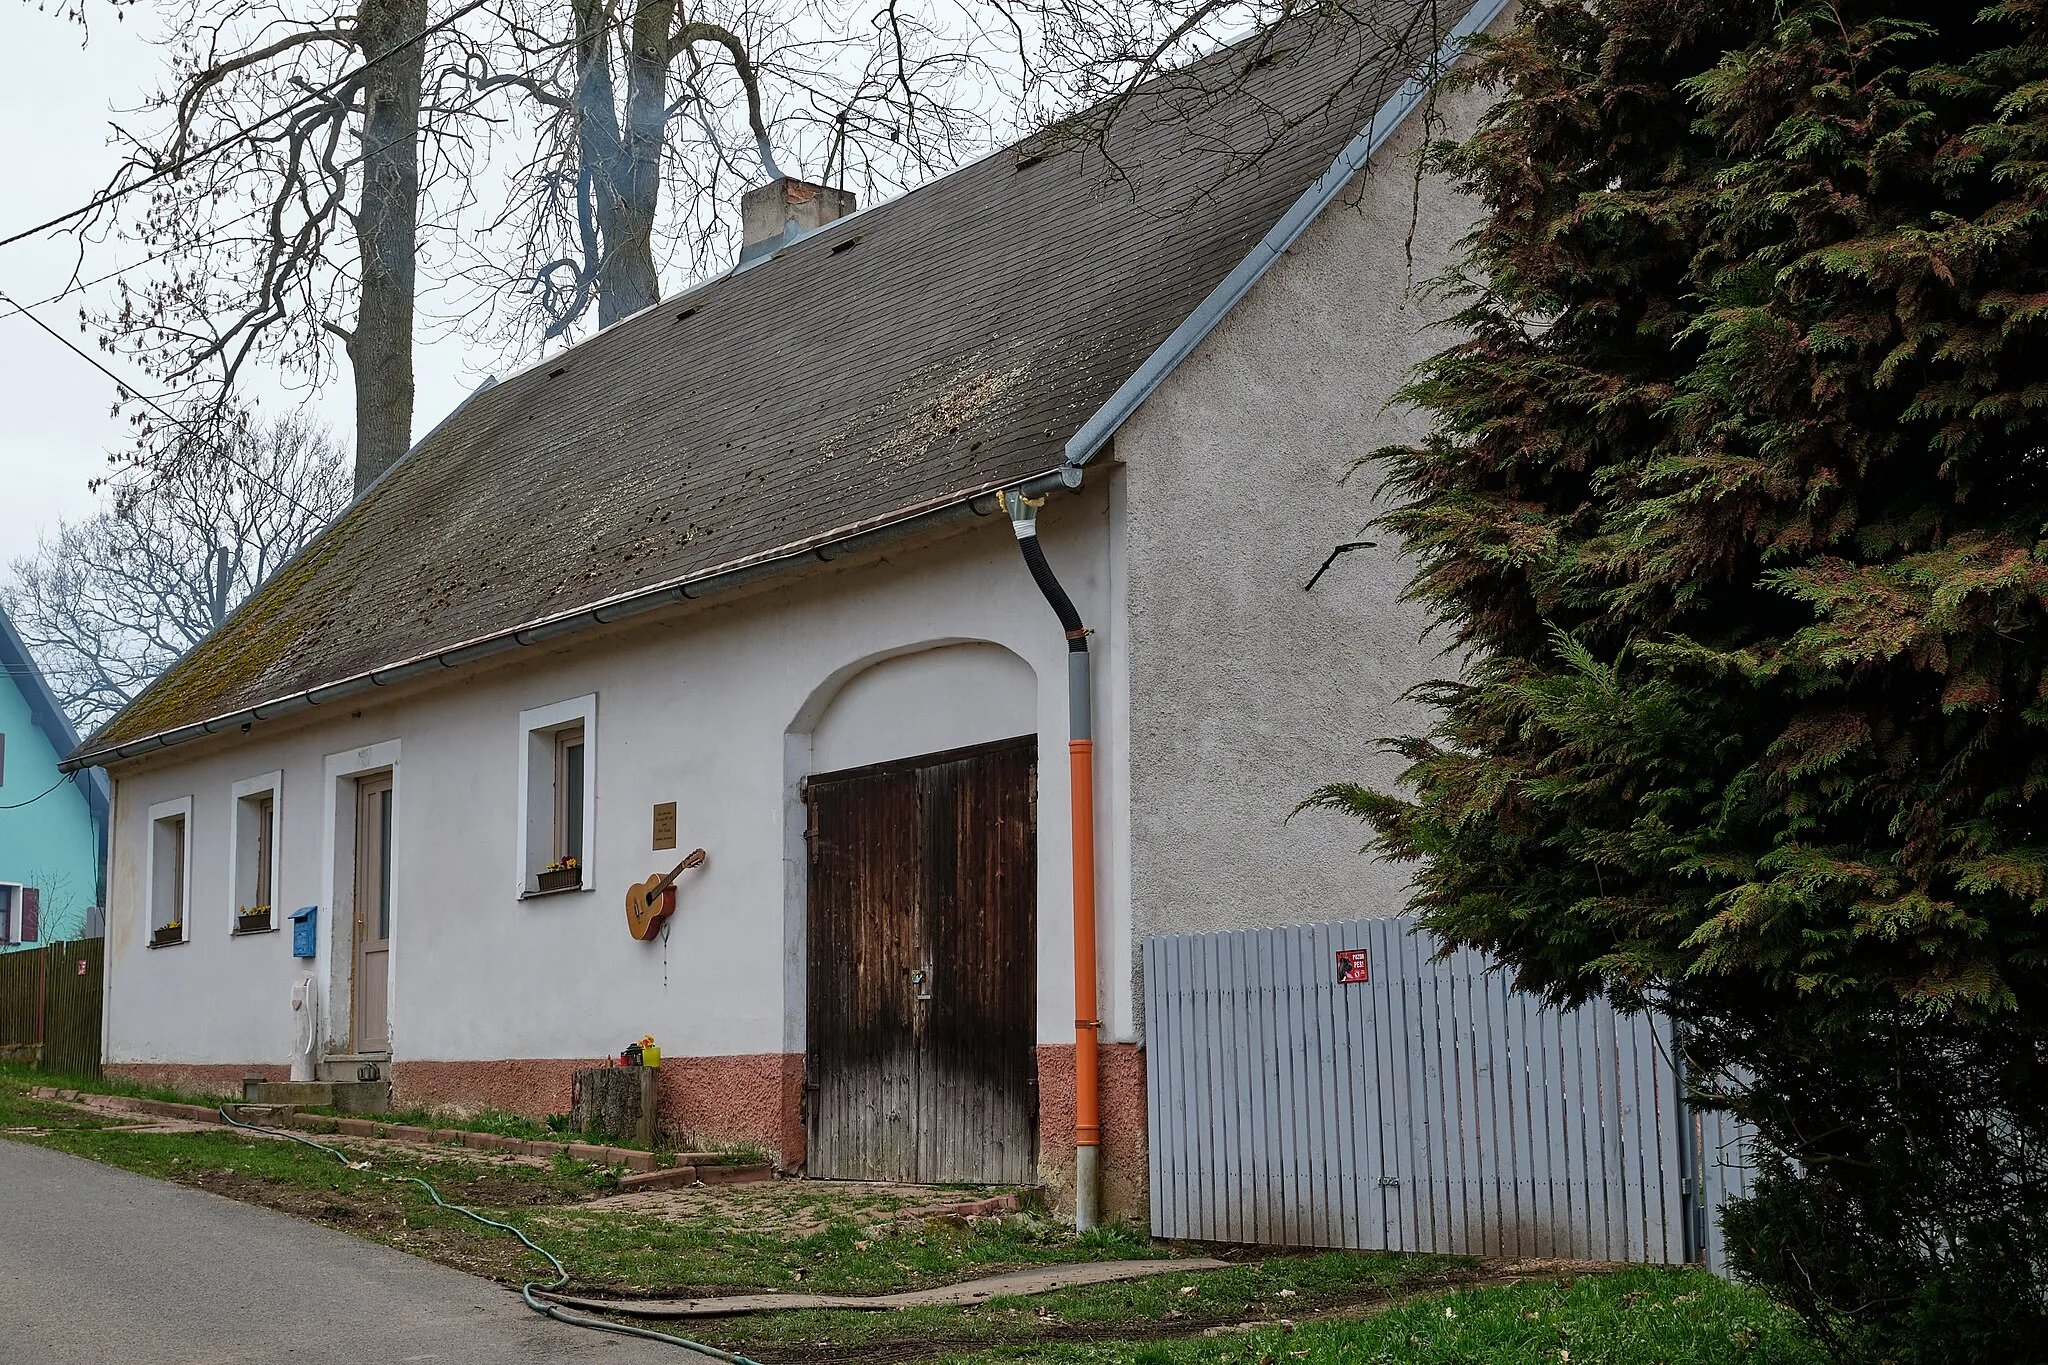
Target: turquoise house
{"x": 53, "y": 828}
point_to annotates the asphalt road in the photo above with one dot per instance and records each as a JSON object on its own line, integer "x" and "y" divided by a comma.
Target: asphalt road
{"x": 101, "y": 1267}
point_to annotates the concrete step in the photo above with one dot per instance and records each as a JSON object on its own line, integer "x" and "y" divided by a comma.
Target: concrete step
{"x": 362, "y": 1097}
{"x": 355, "y": 1066}
{"x": 350, "y": 1097}
{"x": 293, "y": 1092}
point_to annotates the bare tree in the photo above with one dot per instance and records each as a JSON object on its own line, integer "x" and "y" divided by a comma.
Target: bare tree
{"x": 652, "y": 115}
{"x": 568, "y": 153}
{"x": 106, "y": 604}
{"x": 284, "y": 166}
{"x": 655, "y": 113}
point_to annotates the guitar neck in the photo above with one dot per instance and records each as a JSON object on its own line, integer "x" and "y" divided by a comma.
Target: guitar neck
{"x": 665, "y": 883}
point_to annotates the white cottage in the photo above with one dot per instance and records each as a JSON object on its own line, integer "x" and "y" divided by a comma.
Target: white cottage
{"x": 736, "y": 574}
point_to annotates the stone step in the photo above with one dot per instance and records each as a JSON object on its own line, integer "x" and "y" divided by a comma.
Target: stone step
{"x": 355, "y": 1066}
{"x": 293, "y": 1092}
{"x": 350, "y": 1097}
{"x": 362, "y": 1097}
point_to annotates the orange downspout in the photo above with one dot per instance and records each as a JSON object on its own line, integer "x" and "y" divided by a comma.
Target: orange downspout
{"x": 1087, "y": 1026}
{"x": 1081, "y": 804}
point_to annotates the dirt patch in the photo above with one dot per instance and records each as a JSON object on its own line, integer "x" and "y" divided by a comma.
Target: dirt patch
{"x": 1049, "y": 1329}
{"x": 791, "y": 1208}
{"x": 384, "y": 1212}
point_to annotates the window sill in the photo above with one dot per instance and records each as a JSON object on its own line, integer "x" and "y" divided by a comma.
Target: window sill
{"x": 254, "y": 933}
{"x": 169, "y": 942}
{"x": 558, "y": 891}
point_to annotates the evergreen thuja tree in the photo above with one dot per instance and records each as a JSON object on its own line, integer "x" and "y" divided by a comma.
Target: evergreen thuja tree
{"x": 1736, "y": 504}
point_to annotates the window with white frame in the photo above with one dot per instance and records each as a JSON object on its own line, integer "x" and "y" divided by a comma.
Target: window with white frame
{"x": 170, "y": 871}
{"x": 558, "y": 786}
{"x": 18, "y": 913}
{"x": 253, "y": 854}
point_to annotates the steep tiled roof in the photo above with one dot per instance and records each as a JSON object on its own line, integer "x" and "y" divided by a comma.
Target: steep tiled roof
{"x": 945, "y": 341}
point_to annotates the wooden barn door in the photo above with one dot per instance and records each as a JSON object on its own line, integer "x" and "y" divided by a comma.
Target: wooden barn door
{"x": 923, "y": 969}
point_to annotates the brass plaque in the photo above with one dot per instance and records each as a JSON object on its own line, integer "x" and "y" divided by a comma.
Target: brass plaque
{"x": 665, "y": 825}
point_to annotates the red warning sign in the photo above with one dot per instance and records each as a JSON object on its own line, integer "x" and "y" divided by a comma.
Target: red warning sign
{"x": 1352, "y": 967}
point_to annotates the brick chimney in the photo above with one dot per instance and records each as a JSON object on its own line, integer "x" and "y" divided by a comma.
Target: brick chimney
{"x": 783, "y": 210}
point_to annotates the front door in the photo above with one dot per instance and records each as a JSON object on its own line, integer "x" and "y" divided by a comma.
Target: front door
{"x": 921, "y": 1062}
{"x": 371, "y": 1014}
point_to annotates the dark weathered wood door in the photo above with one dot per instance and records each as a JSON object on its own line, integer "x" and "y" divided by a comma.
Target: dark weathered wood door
{"x": 922, "y": 1057}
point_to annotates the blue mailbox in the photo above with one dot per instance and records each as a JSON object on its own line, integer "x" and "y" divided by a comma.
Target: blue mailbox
{"x": 304, "y": 940}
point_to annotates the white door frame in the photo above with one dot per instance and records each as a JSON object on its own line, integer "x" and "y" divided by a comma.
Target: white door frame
{"x": 338, "y": 884}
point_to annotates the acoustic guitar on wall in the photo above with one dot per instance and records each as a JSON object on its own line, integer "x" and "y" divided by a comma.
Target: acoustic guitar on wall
{"x": 654, "y": 900}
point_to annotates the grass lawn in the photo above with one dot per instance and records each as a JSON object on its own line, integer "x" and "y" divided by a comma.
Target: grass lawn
{"x": 1637, "y": 1316}
{"x": 835, "y": 1239}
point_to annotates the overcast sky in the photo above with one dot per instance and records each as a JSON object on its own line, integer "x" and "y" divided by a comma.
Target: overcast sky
{"x": 59, "y": 88}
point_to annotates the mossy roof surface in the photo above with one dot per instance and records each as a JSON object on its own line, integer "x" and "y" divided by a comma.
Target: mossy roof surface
{"x": 945, "y": 341}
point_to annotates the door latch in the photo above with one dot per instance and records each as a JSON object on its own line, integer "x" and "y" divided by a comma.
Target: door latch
{"x": 920, "y": 982}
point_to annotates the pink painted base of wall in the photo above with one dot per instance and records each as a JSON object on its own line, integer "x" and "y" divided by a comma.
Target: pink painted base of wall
{"x": 754, "y": 1098}
{"x": 1126, "y": 1192}
{"x": 750, "y": 1099}
{"x": 195, "y": 1078}
{"x": 532, "y": 1086}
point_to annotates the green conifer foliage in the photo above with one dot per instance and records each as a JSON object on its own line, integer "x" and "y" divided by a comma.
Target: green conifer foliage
{"x": 1737, "y": 500}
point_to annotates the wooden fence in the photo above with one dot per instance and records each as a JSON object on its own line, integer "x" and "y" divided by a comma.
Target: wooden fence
{"x": 50, "y": 1005}
{"x": 1304, "y": 1095}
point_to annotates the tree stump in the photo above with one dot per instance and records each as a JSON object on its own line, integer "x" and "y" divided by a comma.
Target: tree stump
{"x": 617, "y": 1101}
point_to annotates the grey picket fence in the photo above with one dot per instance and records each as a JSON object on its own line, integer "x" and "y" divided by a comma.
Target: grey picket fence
{"x": 1427, "y": 1107}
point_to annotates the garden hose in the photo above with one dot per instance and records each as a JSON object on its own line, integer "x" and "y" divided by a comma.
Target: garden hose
{"x": 560, "y": 1281}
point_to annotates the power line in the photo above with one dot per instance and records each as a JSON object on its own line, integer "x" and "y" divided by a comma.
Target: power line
{"x": 151, "y": 403}
{"x": 164, "y": 172}
{"x": 82, "y": 285}
{"x": 38, "y": 796}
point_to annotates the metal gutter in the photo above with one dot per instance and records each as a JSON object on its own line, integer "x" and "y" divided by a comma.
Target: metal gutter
{"x": 1097, "y": 430}
{"x": 852, "y": 539}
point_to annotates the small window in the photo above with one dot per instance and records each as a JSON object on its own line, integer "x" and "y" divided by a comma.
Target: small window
{"x": 568, "y": 842}
{"x": 10, "y": 912}
{"x": 253, "y": 855}
{"x": 169, "y": 881}
{"x": 557, "y": 775}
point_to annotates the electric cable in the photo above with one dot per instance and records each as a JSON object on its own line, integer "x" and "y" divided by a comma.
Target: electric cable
{"x": 547, "y": 1310}
{"x": 39, "y": 795}
{"x": 100, "y": 201}
{"x": 151, "y": 403}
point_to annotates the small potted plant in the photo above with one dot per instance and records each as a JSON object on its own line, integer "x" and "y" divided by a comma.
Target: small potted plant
{"x": 252, "y": 919}
{"x": 174, "y": 932}
{"x": 563, "y": 874}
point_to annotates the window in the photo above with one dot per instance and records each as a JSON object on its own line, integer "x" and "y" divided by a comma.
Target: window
{"x": 568, "y": 841}
{"x": 557, "y": 778}
{"x": 253, "y": 855}
{"x": 170, "y": 871}
{"x": 18, "y": 913}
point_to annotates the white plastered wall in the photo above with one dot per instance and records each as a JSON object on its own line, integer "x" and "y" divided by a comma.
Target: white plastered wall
{"x": 1241, "y": 473}
{"x": 714, "y": 709}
